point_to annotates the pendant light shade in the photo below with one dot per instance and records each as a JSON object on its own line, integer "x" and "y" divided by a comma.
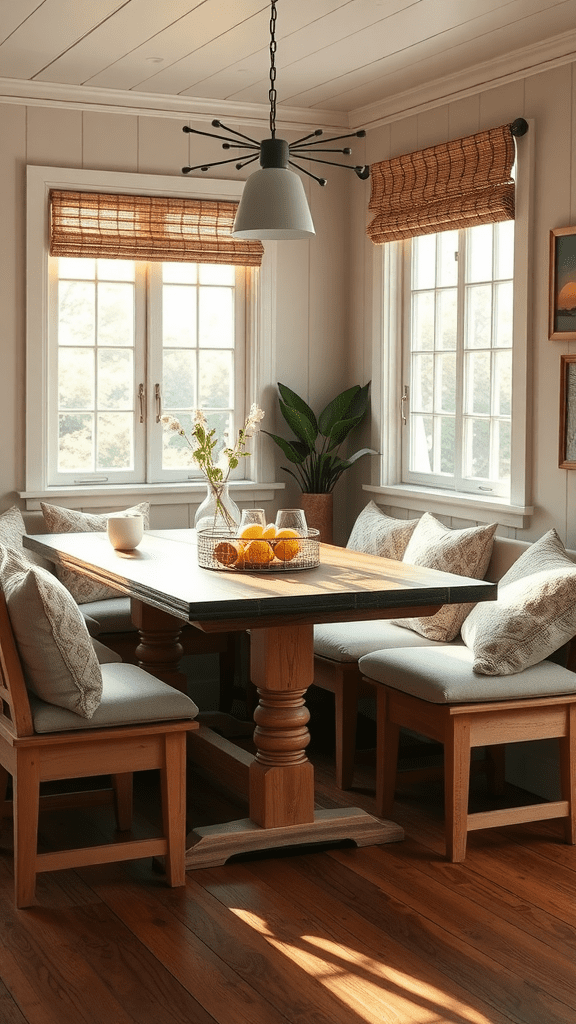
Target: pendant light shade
{"x": 273, "y": 205}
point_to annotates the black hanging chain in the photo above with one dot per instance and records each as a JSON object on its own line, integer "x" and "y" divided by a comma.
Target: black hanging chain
{"x": 272, "y": 91}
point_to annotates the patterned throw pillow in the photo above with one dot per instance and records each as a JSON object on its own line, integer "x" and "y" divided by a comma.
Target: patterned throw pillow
{"x": 534, "y": 615}
{"x": 57, "y": 655}
{"x": 375, "y": 533}
{"x": 462, "y": 552}
{"x": 67, "y": 520}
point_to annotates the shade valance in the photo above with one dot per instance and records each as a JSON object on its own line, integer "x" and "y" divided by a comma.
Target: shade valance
{"x": 454, "y": 185}
{"x": 133, "y": 227}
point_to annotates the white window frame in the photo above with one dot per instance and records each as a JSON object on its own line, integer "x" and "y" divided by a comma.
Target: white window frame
{"x": 386, "y": 485}
{"x": 260, "y": 338}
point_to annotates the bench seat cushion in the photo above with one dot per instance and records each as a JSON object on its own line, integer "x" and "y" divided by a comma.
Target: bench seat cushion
{"x": 349, "y": 641}
{"x": 444, "y": 675}
{"x": 129, "y": 696}
{"x": 112, "y": 615}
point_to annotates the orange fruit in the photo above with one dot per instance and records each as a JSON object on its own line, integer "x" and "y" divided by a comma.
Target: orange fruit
{"x": 269, "y": 531}
{"x": 252, "y": 530}
{"x": 258, "y": 552}
{"x": 226, "y": 553}
{"x": 286, "y": 550}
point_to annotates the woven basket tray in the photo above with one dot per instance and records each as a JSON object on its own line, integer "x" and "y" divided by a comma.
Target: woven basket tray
{"x": 230, "y": 554}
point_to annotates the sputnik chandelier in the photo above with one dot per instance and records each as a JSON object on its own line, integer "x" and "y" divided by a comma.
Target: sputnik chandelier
{"x": 273, "y": 203}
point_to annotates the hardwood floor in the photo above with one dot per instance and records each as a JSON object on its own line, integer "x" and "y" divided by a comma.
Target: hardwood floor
{"x": 383, "y": 934}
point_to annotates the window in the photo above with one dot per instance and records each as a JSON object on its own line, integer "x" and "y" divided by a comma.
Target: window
{"x": 130, "y": 341}
{"x": 457, "y": 359}
{"x": 112, "y": 344}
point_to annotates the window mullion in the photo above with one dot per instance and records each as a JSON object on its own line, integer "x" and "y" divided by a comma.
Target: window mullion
{"x": 461, "y": 381}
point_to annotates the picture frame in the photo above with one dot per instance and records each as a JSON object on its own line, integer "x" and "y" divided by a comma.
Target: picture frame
{"x": 567, "y": 454}
{"x": 562, "y": 312}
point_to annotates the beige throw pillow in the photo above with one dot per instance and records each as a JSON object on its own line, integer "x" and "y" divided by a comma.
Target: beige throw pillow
{"x": 534, "y": 615}
{"x": 67, "y": 520}
{"x": 12, "y": 530}
{"x": 55, "y": 648}
{"x": 375, "y": 533}
{"x": 462, "y": 552}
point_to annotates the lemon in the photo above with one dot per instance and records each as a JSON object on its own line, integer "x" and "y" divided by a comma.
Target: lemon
{"x": 258, "y": 552}
{"x": 269, "y": 531}
{"x": 252, "y": 530}
{"x": 286, "y": 550}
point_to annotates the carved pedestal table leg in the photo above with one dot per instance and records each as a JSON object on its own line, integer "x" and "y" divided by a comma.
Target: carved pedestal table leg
{"x": 159, "y": 651}
{"x": 281, "y": 779}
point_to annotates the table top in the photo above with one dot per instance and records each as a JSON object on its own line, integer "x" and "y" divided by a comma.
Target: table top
{"x": 164, "y": 572}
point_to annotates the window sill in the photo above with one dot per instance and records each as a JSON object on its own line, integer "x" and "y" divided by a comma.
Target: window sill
{"x": 458, "y": 505}
{"x": 102, "y": 496}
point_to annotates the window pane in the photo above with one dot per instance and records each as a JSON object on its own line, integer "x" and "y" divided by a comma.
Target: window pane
{"x": 503, "y": 383}
{"x": 477, "y": 389}
{"x": 115, "y": 379}
{"x": 503, "y": 299}
{"x": 504, "y": 449}
{"x": 76, "y": 378}
{"x": 179, "y": 388}
{"x": 424, "y": 261}
{"x": 76, "y": 313}
{"x": 423, "y": 320}
{"x": 76, "y": 268}
{"x": 478, "y": 316}
{"x": 421, "y": 444}
{"x": 479, "y": 266}
{"x": 115, "y": 440}
{"x": 216, "y": 317}
{"x": 504, "y": 235}
{"x": 179, "y": 315}
{"x": 447, "y": 318}
{"x": 477, "y": 447}
{"x": 176, "y": 451}
{"x": 447, "y": 444}
{"x": 217, "y": 273}
{"x": 446, "y": 372}
{"x": 115, "y": 314}
{"x": 216, "y": 382}
{"x": 422, "y": 390}
{"x": 75, "y": 443}
{"x": 448, "y": 264}
{"x": 115, "y": 270}
{"x": 184, "y": 273}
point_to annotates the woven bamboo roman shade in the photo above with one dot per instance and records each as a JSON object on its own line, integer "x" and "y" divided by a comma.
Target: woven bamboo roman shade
{"x": 132, "y": 227}
{"x": 453, "y": 185}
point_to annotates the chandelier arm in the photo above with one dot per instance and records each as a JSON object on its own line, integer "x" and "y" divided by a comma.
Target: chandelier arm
{"x": 247, "y": 160}
{"x": 218, "y": 124}
{"x": 321, "y": 181}
{"x": 304, "y": 137}
{"x": 346, "y": 151}
{"x": 211, "y": 135}
{"x": 335, "y": 138}
{"x": 314, "y": 159}
{"x": 239, "y": 145}
{"x": 215, "y": 163}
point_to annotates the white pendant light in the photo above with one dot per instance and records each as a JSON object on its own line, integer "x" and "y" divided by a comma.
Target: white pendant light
{"x": 273, "y": 203}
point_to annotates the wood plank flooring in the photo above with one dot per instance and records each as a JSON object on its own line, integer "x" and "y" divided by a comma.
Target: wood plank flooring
{"x": 391, "y": 934}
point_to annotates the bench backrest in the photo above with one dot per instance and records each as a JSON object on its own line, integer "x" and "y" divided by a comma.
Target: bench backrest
{"x": 505, "y": 552}
{"x": 15, "y": 714}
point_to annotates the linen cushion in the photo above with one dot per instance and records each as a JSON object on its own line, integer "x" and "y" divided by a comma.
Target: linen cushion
{"x": 462, "y": 552}
{"x": 58, "y": 658}
{"x": 445, "y": 675}
{"x": 349, "y": 641}
{"x": 129, "y": 695}
{"x": 534, "y": 615}
{"x": 67, "y": 520}
{"x": 12, "y": 530}
{"x": 111, "y": 616}
{"x": 375, "y": 533}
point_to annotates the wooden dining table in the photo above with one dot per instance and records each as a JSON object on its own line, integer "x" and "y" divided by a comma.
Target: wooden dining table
{"x": 168, "y": 588}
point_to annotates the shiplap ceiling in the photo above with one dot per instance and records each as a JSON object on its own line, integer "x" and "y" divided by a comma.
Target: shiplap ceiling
{"x": 342, "y": 57}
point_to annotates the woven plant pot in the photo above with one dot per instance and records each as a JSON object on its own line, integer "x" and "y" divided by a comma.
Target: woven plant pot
{"x": 318, "y": 511}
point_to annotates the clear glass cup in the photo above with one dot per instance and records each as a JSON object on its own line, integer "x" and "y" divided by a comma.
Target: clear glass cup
{"x": 292, "y": 519}
{"x": 253, "y": 516}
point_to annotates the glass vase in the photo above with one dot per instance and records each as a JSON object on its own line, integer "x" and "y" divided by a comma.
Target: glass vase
{"x": 218, "y": 513}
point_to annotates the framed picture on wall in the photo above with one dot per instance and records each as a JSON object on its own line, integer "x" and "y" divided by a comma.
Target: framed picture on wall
{"x": 562, "y": 320}
{"x": 567, "y": 457}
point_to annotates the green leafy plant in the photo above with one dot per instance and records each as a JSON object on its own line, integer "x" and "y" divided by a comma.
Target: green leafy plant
{"x": 316, "y": 450}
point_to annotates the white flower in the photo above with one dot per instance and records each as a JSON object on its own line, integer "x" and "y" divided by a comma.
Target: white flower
{"x": 171, "y": 422}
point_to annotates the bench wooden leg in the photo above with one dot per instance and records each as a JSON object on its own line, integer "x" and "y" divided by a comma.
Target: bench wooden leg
{"x": 26, "y": 784}
{"x": 568, "y": 774}
{"x": 123, "y": 800}
{"x": 456, "y": 786}
{"x": 346, "y": 721}
{"x": 173, "y": 785}
{"x": 388, "y": 735}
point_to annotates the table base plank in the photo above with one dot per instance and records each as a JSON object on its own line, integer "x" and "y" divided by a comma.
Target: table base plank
{"x": 213, "y": 845}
